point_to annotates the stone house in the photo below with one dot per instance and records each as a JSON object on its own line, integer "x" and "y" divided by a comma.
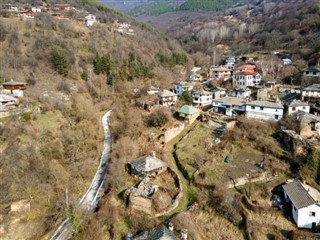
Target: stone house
{"x": 140, "y": 198}
{"x": 304, "y": 201}
{"x": 218, "y": 92}
{"x": 308, "y": 124}
{"x": 147, "y": 166}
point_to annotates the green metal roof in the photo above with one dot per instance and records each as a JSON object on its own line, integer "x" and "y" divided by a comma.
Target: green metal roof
{"x": 189, "y": 110}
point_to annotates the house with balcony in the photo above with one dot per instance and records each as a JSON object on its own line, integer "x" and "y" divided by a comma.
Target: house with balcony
{"x": 167, "y": 98}
{"x": 13, "y": 88}
{"x": 311, "y": 93}
{"x": 245, "y": 79}
{"x": 305, "y": 203}
{"x": 220, "y": 73}
{"x": 202, "y": 98}
{"x": 264, "y": 110}
{"x": 229, "y": 106}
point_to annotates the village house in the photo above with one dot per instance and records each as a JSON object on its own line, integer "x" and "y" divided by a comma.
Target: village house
{"x": 245, "y": 76}
{"x": 123, "y": 28}
{"x": 195, "y": 75}
{"x": 262, "y": 94}
{"x": 240, "y": 93}
{"x": 308, "y": 124}
{"x": 147, "y": 166}
{"x": 311, "y": 93}
{"x": 7, "y": 102}
{"x": 311, "y": 72}
{"x": 167, "y": 98}
{"x": 89, "y": 20}
{"x": 230, "y": 62}
{"x": 16, "y": 89}
{"x": 286, "y": 61}
{"x": 229, "y": 106}
{"x": 304, "y": 201}
{"x": 202, "y": 98}
{"x": 181, "y": 87}
{"x": 140, "y": 197}
{"x": 153, "y": 90}
{"x": 220, "y": 73}
{"x": 264, "y": 110}
{"x": 296, "y": 105}
{"x": 218, "y": 92}
{"x": 188, "y": 113}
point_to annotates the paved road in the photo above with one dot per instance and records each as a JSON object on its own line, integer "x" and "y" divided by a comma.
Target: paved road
{"x": 91, "y": 198}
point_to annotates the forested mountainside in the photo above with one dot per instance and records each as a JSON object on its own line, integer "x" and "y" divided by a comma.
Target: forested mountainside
{"x": 74, "y": 73}
{"x": 291, "y": 26}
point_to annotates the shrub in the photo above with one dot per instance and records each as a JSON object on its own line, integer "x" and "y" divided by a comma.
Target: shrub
{"x": 26, "y": 116}
{"x": 59, "y": 61}
{"x": 157, "y": 119}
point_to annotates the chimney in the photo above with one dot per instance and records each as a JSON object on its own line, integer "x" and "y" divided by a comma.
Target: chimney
{"x": 184, "y": 234}
{"x": 170, "y": 226}
{"x": 153, "y": 154}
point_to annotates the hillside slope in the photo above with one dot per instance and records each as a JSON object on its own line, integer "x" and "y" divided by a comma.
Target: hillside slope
{"x": 291, "y": 26}
{"x": 74, "y": 73}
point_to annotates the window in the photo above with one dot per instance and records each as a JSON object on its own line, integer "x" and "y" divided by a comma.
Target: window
{"x": 276, "y": 117}
{"x": 276, "y": 110}
{"x": 312, "y": 214}
{"x": 252, "y": 107}
{"x": 261, "y": 108}
{"x": 304, "y": 108}
{"x": 293, "y": 108}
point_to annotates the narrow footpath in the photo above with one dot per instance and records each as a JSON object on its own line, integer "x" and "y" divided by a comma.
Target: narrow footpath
{"x": 91, "y": 198}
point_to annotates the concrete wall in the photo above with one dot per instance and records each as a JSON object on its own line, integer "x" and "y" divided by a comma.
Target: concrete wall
{"x": 173, "y": 132}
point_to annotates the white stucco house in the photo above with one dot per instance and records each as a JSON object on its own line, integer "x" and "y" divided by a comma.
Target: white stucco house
{"x": 229, "y": 105}
{"x": 90, "y": 20}
{"x": 311, "y": 92}
{"x": 203, "y": 98}
{"x": 305, "y": 203}
{"x": 241, "y": 93}
{"x": 311, "y": 72}
{"x": 246, "y": 79}
{"x": 181, "y": 87}
{"x": 167, "y": 98}
{"x": 264, "y": 110}
{"x": 295, "y": 106}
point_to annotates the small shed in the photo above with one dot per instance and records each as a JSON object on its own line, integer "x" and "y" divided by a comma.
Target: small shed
{"x": 188, "y": 113}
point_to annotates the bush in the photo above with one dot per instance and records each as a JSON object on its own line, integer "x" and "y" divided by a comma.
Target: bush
{"x": 59, "y": 61}
{"x": 26, "y": 116}
{"x": 157, "y": 119}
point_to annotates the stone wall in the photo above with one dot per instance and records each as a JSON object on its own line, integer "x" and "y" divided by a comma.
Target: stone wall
{"x": 176, "y": 199}
{"x": 173, "y": 132}
{"x": 244, "y": 180}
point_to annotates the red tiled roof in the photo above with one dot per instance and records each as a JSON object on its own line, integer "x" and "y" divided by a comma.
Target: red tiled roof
{"x": 246, "y": 73}
{"x": 246, "y": 67}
